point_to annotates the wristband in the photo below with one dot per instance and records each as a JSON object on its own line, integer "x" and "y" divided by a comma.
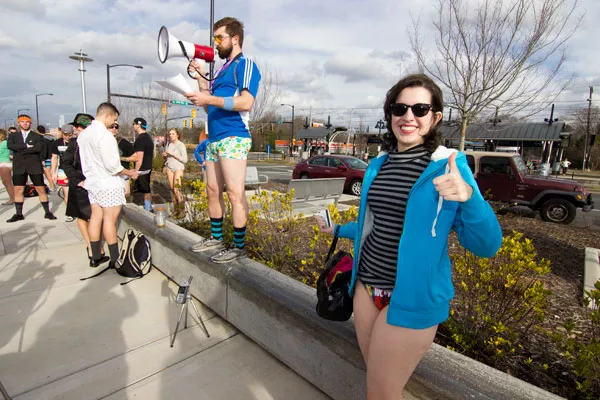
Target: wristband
{"x": 228, "y": 103}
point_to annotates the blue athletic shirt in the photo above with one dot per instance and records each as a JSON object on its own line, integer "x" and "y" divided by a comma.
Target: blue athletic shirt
{"x": 223, "y": 123}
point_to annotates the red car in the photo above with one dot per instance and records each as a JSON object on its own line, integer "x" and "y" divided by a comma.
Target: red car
{"x": 333, "y": 166}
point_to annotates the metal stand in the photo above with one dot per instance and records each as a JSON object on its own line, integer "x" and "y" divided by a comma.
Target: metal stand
{"x": 4, "y": 392}
{"x": 184, "y": 309}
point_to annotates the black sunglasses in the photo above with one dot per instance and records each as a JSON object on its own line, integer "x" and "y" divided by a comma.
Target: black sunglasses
{"x": 114, "y": 126}
{"x": 418, "y": 110}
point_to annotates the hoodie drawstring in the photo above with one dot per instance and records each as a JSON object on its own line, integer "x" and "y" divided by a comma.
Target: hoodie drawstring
{"x": 439, "y": 207}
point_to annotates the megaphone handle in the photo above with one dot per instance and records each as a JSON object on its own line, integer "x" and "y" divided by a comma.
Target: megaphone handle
{"x": 198, "y": 72}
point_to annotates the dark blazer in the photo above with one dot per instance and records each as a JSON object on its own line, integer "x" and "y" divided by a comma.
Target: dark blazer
{"x": 26, "y": 159}
{"x": 71, "y": 163}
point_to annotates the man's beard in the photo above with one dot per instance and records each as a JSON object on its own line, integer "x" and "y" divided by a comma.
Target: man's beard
{"x": 224, "y": 52}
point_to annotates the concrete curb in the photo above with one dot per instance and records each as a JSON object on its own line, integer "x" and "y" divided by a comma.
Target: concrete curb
{"x": 278, "y": 312}
{"x": 591, "y": 272}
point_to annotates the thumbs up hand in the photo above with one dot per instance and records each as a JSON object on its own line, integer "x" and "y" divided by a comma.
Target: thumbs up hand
{"x": 452, "y": 186}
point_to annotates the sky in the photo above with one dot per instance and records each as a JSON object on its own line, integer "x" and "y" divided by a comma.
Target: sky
{"x": 334, "y": 57}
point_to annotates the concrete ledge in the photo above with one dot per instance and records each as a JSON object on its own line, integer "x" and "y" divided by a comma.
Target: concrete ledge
{"x": 591, "y": 272}
{"x": 278, "y": 313}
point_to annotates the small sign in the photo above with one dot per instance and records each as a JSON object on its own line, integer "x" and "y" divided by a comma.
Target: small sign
{"x": 181, "y": 102}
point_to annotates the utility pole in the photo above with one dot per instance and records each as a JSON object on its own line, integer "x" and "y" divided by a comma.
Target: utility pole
{"x": 587, "y": 132}
{"x": 550, "y": 121}
{"x": 349, "y": 131}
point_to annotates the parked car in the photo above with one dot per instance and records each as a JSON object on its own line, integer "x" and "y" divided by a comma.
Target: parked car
{"x": 333, "y": 166}
{"x": 505, "y": 178}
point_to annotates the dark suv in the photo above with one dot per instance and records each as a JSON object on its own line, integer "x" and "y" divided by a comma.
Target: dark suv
{"x": 505, "y": 178}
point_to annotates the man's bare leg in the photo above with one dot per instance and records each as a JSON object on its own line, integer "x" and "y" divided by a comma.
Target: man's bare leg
{"x": 95, "y": 230}
{"x": 216, "y": 207}
{"x": 214, "y": 189}
{"x": 234, "y": 175}
{"x": 109, "y": 228}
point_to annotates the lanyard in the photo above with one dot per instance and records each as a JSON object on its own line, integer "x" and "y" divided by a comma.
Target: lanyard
{"x": 222, "y": 69}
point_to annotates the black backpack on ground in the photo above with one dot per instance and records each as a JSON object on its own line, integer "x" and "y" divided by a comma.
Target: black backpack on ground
{"x": 135, "y": 257}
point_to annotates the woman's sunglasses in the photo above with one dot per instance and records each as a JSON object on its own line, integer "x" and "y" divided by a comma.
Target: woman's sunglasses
{"x": 418, "y": 110}
{"x": 114, "y": 126}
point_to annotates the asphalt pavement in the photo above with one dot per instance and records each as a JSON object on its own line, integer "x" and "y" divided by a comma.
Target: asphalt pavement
{"x": 283, "y": 173}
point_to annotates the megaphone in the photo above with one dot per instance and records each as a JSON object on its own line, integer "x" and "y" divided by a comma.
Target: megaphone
{"x": 169, "y": 47}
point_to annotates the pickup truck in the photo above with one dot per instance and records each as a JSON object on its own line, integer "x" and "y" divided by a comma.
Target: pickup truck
{"x": 505, "y": 178}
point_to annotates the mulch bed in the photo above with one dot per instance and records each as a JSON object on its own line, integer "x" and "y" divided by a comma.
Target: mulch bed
{"x": 563, "y": 245}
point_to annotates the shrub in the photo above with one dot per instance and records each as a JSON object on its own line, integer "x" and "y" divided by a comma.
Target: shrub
{"x": 158, "y": 162}
{"x": 583, "y": 353}
{"x": 194, "y": 195}
{"x": 498, "y": 300}
{"x": 273, "y": 236}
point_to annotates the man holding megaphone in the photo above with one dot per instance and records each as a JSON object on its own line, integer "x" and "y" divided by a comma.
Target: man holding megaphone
{"x": 227, "y": 101}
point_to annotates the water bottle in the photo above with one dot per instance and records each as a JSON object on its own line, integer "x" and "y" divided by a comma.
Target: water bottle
{"x": 160, "y": 218}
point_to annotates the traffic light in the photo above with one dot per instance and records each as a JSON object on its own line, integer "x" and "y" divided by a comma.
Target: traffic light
{"x": 164, "y": 109}
{"x": 191, "y": 123}
{"x": 185, "y": 123}
{"x": 193, "y": 113}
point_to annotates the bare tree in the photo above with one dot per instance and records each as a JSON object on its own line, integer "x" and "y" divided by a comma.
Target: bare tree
{"x": 269, "y": 93}
{"x": 578, "y": 125}
{"x": 498, "y": 53}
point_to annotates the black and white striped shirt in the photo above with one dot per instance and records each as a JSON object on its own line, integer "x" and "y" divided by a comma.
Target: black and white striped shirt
{"x": 387, "y": 199}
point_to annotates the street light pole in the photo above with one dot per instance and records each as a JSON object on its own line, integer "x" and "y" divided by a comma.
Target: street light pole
{"x": 587, "y": 133}
{"x": 379, "y": 126}
{"x": 108, "y": 67}
{"x": 292, "y": 141}
{"x": 37, "y": 114}
{"x": 82, "y": 57}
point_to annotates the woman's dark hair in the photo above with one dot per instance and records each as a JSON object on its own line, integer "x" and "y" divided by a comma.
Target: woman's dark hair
{"x": 432, "y": 139}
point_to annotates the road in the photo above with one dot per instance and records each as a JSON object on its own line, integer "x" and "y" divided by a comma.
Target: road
{"x": 276, "y": 173}
{"x": 283, "y": 173}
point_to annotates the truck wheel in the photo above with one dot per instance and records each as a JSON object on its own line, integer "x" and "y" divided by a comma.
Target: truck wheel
{"x": 304, "y": 175}
{"x": 559, "y": 211}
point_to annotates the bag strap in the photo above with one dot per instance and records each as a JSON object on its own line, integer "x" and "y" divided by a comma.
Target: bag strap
{"x": 99, "y": 273}
{"x": 333, "y": 243}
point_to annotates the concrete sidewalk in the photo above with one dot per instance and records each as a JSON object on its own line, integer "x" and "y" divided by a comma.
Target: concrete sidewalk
{"x": 64, "y": 338}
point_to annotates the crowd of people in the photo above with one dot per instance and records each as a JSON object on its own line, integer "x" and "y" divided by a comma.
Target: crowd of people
{"x": 414, "y": 194}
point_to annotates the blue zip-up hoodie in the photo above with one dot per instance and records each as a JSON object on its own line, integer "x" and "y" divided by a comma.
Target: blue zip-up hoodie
{"x": 423, "y": 289}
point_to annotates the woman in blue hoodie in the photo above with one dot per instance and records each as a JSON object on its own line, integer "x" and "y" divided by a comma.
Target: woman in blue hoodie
{"x": 414, "y": 194}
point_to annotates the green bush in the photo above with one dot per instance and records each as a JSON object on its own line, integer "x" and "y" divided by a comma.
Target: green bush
{"x": 158, "y": 162}
{"x": 583, "y": 353}
{"x": 498, "y": 300}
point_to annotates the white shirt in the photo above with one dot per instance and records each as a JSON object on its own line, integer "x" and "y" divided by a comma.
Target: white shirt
{"x": 100, "y": 162}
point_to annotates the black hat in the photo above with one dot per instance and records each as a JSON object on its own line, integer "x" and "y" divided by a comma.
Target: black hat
{"x": 82, "y": 119}
{"x": 141, "y": 121}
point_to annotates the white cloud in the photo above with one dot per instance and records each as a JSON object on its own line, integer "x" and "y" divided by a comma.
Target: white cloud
{"x": 330, "y": 56}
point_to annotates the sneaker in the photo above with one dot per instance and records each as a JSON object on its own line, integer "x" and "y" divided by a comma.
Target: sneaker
{"x": 229, "y": 254}
{"x": 15, "y": 218}
{"x": 207, "y": 244}
{"x": 49, "y": 215}
{"x": 69, "y": 219}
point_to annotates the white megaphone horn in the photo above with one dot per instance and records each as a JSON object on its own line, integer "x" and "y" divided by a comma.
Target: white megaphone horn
{"x": 169, "y": 47}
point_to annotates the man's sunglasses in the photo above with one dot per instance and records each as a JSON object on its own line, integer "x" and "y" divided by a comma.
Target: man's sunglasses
{"x": 418, "y": 110}
{"x": 219, "y": 38}
{"x": 114, "y": 126}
